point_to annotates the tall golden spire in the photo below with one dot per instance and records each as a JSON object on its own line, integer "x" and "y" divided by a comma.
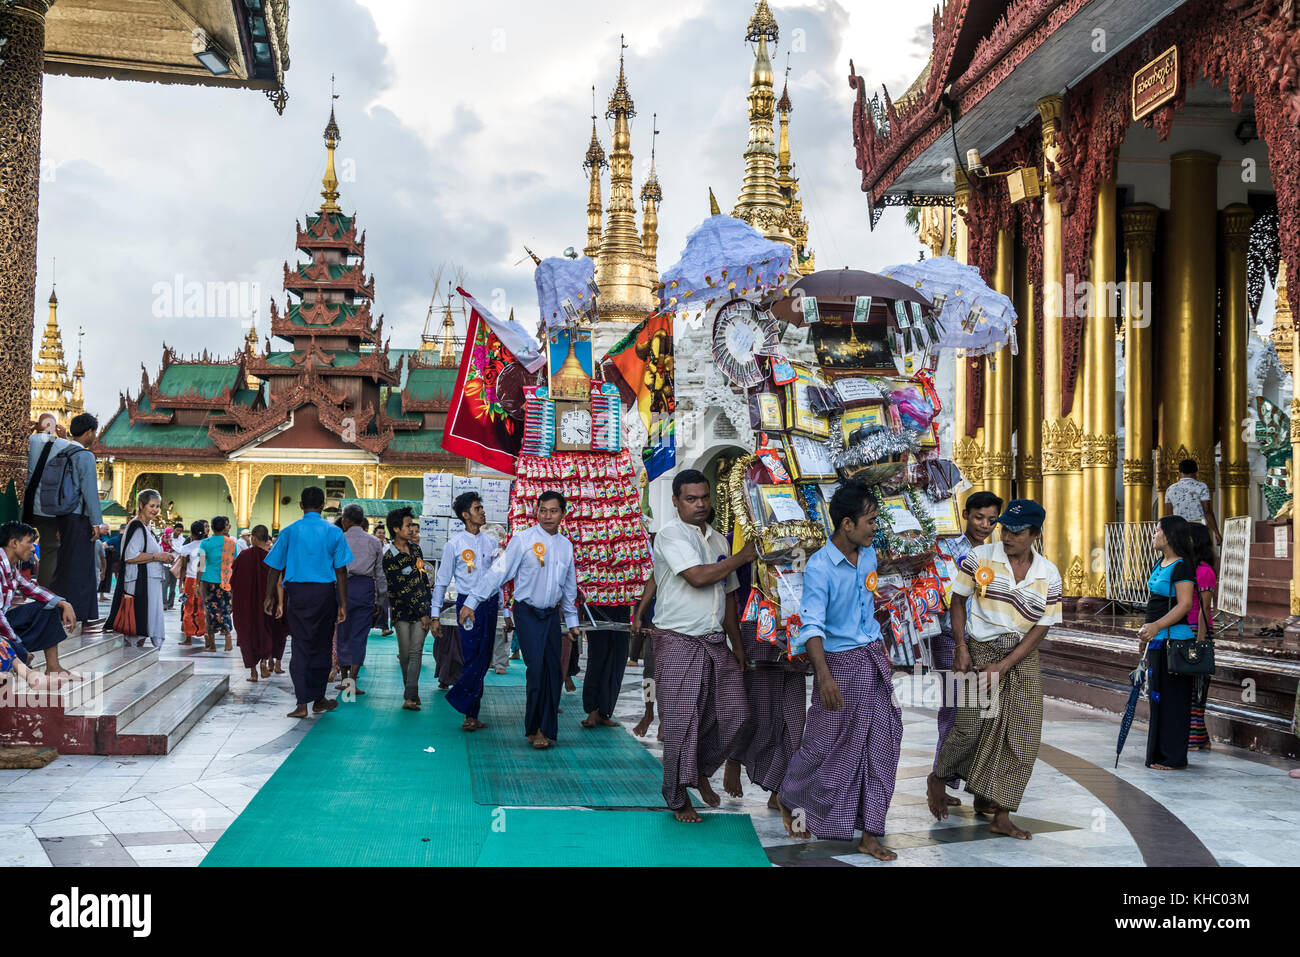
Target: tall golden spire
{"x": 803, "y": 261}
{"x": 760, "y": 202}
{"x": 652, "y": 195}
{"x": 250, "y": 352}
{"x": 623, "y": 274}
{"x": 594, "y": 163}
{"x": 447, "y": 347}
{"x": 330, "y": 181}
{"x": 78, "y": 374}
{"x": 52, "y": 389}
{"x": 713, "y": 204}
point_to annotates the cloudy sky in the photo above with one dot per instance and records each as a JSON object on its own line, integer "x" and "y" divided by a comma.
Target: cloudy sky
{"x": 464, "y": 128}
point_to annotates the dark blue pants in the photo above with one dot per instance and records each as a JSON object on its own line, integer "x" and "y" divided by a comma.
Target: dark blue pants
{"x": 606, "y": 662}
{"x": 37, "y": 626}
{"x": 476, "y": 648}
{"x": 311, "y": 609}
{"x": 539, "y": 640}
{"x": 352, "y": 634}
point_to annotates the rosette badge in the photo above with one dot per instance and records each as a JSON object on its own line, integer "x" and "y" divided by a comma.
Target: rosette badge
{"x": 467, "y": 556}
{"x": 540, "y": 551}
{"x": 984, "y": 578}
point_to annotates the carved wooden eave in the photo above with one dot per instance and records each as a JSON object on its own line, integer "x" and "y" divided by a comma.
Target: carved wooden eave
{"x": 410, "y": 405}
{"x": 317, "y": 237}
{"x": 317, "y": 318}
{"x": 384, "y": 421}
{"x": 251, "y": 426}
{"x": 132, "y": 408}
{"x": 436, "y": 461}
{"x": 306, "y": 278}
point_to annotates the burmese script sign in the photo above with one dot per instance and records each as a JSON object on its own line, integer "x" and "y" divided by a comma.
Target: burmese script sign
{"x": 1156, "y": 83}
{"x": 1234, "y": 565}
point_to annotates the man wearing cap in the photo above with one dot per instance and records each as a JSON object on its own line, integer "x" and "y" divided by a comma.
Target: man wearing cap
{"x": 1015, "y": 597}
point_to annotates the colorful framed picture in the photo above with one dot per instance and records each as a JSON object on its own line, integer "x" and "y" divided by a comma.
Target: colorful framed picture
{"x": 780, "y": 503}
{"x": 768, "y": 407}
{"x": 947, "y": 521}
{"x": 861, "y": 418}
{"x": 799, "y": 414}
{"x": 900, "y": 515}
{"x": 810, "y": 460}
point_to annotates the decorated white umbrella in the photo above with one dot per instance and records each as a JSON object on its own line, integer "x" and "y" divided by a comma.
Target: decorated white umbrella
{"x": 973, "y": 316}
{"x": 724, "y": 258}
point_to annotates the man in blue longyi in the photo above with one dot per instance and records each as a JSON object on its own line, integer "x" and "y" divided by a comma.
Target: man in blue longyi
{"x": 312, "y": 556}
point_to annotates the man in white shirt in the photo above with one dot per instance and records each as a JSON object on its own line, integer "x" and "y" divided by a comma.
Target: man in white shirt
{"x": 539, "y": 561}
{"x": 1189, "y": 498}
{"x": 698, "y": 684}
{"x": 467, "y": 557}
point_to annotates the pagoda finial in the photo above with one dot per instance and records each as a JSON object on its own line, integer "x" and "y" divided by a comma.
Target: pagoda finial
{"x": 620, "y": 101}
{"x": 79, "y": 372}
{"x": 651, "y": 196}
{"x": 593, "y": 164}
{"x": 651, "y": 190}
{"x": 330, "y": 181}
{"x": 762, "y": 24}
{"x": 713, "y": 204}
{"x": 536, "y": 261}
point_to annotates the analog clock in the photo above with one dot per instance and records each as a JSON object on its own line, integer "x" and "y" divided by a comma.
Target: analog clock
{"x": 572, "y": 426}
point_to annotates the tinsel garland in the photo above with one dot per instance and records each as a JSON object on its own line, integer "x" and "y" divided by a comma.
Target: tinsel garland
{"x": 897, "y": 546}
{"x": 875, "y": 447}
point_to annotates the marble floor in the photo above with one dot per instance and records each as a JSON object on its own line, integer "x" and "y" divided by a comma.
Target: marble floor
{"x": 1235, "y": 807}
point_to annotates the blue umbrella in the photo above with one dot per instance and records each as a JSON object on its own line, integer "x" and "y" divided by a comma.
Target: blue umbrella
{"x": 974, "y": 316}
{"x": 1139, "y": 678}
{"x": 724, "y": 258}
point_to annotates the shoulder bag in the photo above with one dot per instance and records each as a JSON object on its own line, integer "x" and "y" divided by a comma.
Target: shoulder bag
{"x": 1194, "y": 657}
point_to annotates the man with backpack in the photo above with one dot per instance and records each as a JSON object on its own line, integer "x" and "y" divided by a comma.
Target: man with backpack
{"x": 67, "y": 491}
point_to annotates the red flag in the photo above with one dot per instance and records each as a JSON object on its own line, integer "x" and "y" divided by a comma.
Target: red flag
{"x": 478, "y": 426}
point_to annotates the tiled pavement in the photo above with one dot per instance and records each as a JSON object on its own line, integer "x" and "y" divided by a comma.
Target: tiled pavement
{"x": 169, "y": 810}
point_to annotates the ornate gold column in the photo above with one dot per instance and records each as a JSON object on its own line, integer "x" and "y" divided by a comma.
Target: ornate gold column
{"x": 1100, "y": 452}
{"x": 243, "y": 496}
{"x": 1028, "y": 402}
{"x": 1295, "y": 463}
{"x": 967, "y": 452}
{"x": 1234, "y": 471}
{"x": 1187, "y": 334}
{"x": 997, "y": 385}
{"x": 119, "y": 484}
{"x": 22, "y": 24}
{"x": 275, "y": 506}
{"x": 1139, "y": 222}
{"x": 1062, "y": 481}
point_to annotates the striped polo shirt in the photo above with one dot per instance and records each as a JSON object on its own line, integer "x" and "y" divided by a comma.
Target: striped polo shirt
{"x": 1000, "y": 604}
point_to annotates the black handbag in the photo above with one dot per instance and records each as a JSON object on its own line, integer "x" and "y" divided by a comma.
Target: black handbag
{"x": 1196, "y": 656}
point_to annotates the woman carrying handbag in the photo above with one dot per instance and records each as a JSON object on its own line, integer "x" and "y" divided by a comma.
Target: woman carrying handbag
{"x": 1201, "y": 618}
{"x": 137, "y": 609}
{"x": 1172, "y": 585}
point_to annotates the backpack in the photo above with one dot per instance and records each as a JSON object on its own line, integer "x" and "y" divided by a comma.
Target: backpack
{"x": 59, "y": 493}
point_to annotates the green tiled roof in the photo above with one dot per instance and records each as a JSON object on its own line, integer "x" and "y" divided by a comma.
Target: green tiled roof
{"x": 346, "y": 311}
{"x": 110, "y": 509}
{"x": 393, "y": 408}
{"x": 280, "y": 358}
{"x": 206, "y": 380}
{"x": 247, "y": 396}
{"x": 378, "y": 508}
{"x": 425, "y": 440}
{"x": 429, "y": 384}
{"x": 122, "y": 434}
{"x": 341, "y": 223}
{"x": 336, "y": 270}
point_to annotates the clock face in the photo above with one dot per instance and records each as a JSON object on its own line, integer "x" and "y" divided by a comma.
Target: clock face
{"x": 575, "y": 427}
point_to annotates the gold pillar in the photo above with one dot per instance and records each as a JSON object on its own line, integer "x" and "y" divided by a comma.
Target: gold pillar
{"x": 967, "y": 454}
{"x": 1028, "y": 391}
{"x": 1295, "y": 463}
{"x": 1234, "y": 472}
{"x": 275, "y": 506}
{"x": 22, "y": 24}
{"x": 1100, "y": 452}
{"x": 119, "y": 485}
{"x": 1062, "y": 481}
{"x": 997, "y": 385}
{"x": 1187, "y": 331}
{"x": 1139, "y": 223}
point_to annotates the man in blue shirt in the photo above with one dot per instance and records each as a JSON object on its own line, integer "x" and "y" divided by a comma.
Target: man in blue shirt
{"x": 842, "y": 777}
{"x": 313, "y": 558}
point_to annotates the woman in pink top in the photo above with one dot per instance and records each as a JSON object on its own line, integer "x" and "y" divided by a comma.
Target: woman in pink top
{"x": 1198, "y": 739}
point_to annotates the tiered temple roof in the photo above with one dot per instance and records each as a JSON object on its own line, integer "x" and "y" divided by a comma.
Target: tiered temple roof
{"x": 53, "y": 390}
{"x": 337, "y": 385}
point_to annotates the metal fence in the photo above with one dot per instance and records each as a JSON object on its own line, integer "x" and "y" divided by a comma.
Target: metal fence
{"x": 1129, "y": 558}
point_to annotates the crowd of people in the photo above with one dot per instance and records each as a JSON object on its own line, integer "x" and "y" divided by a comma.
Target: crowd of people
{"x": 723, "y": 699}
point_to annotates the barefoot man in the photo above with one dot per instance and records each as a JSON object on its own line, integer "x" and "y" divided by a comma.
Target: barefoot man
{"x": 312, "y": 556}
{"x": 468, "y": 556}
{"x": 842, "y": 777}
{"x": 539, "y": 560}
{"x": 698, "y": 682}
{"x": 981, "y": 511}
{"x": 41, "y": 622}
{"x": 1015, "y": 597}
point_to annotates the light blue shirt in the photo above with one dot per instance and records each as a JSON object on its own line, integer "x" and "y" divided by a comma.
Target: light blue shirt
{"x": 84, "y": 469}
{"x": 310, "y": 550}
{"x": 836, "y": 605}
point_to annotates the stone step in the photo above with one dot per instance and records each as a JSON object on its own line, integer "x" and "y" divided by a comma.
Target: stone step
{"x": 1264, "y": 532}
{"x": 170, "y": 719}
{"x": 74, "y": 653}
{"x": 1268, "y": 568}
{"x": 1268, "y": 593}
{"x": 1272, "y": 611}
{"x": 127, "y": 700}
